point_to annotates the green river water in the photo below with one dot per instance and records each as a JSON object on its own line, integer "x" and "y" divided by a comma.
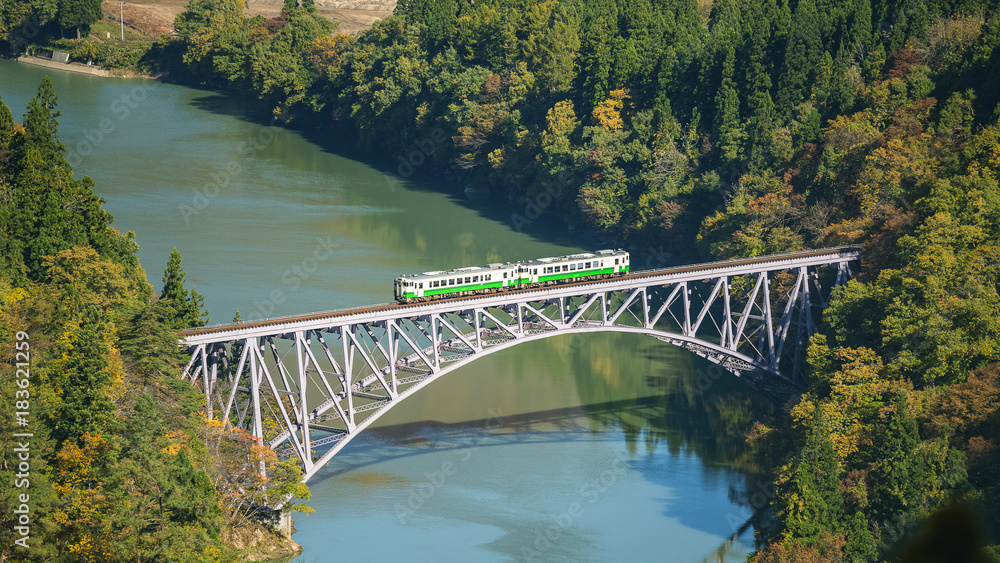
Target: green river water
{"x": 605, "y": 447}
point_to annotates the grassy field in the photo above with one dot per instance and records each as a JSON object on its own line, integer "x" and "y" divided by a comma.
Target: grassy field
{"x": 156, "y": 17}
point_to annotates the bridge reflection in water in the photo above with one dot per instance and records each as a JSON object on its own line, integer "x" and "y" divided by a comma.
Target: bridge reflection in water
{"x": 307, "y": 385}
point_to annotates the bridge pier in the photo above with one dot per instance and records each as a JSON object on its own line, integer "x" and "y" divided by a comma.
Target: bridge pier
{"x": 278, "y": 519}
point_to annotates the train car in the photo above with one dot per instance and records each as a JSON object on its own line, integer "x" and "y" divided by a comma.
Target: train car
{"x": 600, "y": 264}
{"x": 491, "y": 278}
{"x": 457, "y": 282}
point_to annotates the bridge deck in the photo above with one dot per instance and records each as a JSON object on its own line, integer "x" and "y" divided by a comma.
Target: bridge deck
{"x": 693, "y": 268}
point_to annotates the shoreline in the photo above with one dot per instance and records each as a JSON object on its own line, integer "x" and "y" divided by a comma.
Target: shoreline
{"x": 68, "y": 67}
{"x": 76, "y": 68}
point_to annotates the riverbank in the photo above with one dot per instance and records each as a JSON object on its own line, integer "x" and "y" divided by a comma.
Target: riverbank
{"x": 77, "y": 68}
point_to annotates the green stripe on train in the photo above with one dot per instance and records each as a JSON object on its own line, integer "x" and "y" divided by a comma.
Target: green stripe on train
{"x": 572, "y": 275}
{"x": 453, "y": 289}
{"x": 475, "y": 287}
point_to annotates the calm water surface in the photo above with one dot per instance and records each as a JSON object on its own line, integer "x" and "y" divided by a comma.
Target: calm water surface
{"x": 586, "y": 448}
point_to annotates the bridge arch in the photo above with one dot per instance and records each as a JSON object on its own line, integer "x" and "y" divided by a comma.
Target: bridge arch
{"x": 307, "y": 385}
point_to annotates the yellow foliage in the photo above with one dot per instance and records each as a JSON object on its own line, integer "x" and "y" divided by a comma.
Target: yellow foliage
{"x": 96, "y": 280}
{"x": 854, "y": 404}
{"x": 607, "y": 114}
{"x": 327, "y": 50}
{"x": 496, "y": 158}
{"x": 11, "y": 296}
{"x": 116, "y": 387}
{"x": 176, "y": 439}
{"x": 83, "y": 501}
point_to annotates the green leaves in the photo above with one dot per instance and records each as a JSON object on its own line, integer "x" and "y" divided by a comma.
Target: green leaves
{"x": 809, "y": 502}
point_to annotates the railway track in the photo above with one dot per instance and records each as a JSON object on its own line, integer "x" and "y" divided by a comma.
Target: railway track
{"x": 466, "y": 298}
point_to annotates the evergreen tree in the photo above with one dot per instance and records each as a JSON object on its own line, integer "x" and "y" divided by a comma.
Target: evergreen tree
{"x": 759, "y": 103}
{"x": 41, "y": 127}
{"x": 163, "y": 508}
{"x": 641, "y": 44}
{"x": 83, "y": 375}
{"x": 440, "y": 17}
{"x": 6, "y": 134}
{"x": 803, "y": 54}
{"x": 727, "y": 112}
{"x": 149, "y": 342}
{"x": 597, "y": 56}
{"x": 860, "y": 547}
{"x": 557, "y": 47}
{"x": 898, "y": 477}
{"x": 187, "y": 305}
{"x": 809, "y": 502}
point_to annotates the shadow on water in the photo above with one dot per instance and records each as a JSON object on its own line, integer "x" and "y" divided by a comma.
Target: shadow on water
{"x": 342, "y": 142}
{"x": 669, "y": 414}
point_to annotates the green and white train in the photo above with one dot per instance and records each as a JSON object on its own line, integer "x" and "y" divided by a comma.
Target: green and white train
{"x": 492, "y": 278}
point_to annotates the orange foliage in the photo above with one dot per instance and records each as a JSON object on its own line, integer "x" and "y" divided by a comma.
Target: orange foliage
{"x": 900, "y": 62}
{"x": 828, "y": 549}
{"x": 971, "y": 408}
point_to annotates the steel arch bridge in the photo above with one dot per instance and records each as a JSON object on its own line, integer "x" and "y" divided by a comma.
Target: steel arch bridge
{"x": 307, "y": 385}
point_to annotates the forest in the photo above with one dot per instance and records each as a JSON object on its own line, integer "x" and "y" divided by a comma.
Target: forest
{"x": 121, "y": 465}
{"x": 720, "y": 128}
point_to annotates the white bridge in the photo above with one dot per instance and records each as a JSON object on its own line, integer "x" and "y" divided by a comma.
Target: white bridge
{"x": 307, "y": 385}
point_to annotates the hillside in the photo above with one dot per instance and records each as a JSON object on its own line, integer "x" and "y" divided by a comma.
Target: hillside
{"x": 156, "y": 17}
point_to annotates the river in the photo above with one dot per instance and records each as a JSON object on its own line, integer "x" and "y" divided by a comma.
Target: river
{"x": 588, "y": 448}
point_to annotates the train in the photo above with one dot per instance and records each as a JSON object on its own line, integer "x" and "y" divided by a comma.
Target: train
{"x": 497, "y": 277}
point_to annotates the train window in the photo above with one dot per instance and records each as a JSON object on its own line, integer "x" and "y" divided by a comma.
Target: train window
{"x": 565, "y": 268}
{"x": 468, "y": 279}
{"x": 451, "y": 281}
{"x": 421, "y": 286}
{"x": 616, "y": 261}
{"x": 475, "y": 279}
{"x": 535, "y": 273}
{"x": 572, "y": 267}
{"x": 505, "y": 275}
{"x": 579, "y": 265}
{"x": 587, "y": 265}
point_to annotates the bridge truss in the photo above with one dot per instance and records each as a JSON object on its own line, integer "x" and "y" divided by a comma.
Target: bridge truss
{"x": 306, "y": 386}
